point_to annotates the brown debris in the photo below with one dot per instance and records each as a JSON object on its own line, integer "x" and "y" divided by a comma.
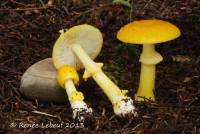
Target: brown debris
{"x": 28, "y": 31}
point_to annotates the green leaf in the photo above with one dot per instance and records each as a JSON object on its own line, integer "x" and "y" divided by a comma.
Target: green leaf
{"x": 123, "y": 2}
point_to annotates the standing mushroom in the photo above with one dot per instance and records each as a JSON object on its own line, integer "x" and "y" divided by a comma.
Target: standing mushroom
{"x": 83, "y": 43}
{"x": 148, "y": 33}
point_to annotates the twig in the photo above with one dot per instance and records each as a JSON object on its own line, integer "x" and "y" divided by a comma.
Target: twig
{"x": 131, "y": 10}
{"x": 46, "y": 114}
{"x": 29, "y": 107}
{"x": 23, "y": 9}
{"x": 42, "y": 3}
{"x": 138, "y": 125}
{"x": 66, "y": 10}
{"x": 15, "y": 2}
{"x": 145, "y": 6}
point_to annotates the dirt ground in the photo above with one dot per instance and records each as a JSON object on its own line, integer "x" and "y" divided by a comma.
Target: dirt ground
{"x": 28, "y": 30}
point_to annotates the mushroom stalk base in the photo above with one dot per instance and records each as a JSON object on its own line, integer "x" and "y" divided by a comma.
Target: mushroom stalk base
{"x": 122, "y": 104}
{"x": 79, "y": 107}
{"x": 147, "y": 82}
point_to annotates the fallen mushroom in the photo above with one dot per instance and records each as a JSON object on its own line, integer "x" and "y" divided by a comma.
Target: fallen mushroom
{"x": 83, "y": 43}
{"x": 67, "y": 78}
{"x": 148, "y": 33}
{"x": 39, "y": 82}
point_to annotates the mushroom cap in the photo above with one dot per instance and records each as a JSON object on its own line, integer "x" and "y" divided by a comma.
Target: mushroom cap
{"x": 148, "y": 32}
{"x": 89, "y": 37}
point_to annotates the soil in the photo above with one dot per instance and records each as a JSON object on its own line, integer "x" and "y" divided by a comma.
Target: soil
{"x": 28, "y": 30}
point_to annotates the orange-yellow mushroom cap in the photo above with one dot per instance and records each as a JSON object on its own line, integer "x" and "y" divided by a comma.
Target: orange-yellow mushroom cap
{"x": 148, "y": 32}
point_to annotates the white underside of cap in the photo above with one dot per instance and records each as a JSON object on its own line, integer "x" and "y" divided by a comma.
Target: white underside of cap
{"x": 89, "y": 37}
{"x": 126, "y": 107}
{"x": 80, "y": 109}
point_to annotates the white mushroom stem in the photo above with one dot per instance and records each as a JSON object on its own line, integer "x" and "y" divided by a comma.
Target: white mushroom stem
{"x": 70, "y": 87}
{"x": 79, "y": 107}
{"x": 121, "y": 103}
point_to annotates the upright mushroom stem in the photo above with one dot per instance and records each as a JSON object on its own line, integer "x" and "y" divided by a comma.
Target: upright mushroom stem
{"x": 149, "y": 58}
{"x": 121, "y": 103}
{"x": 147, "y": 82}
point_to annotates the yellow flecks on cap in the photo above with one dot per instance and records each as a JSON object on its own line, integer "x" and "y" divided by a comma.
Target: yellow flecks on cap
{"x": 76, "y": 96}
{"x": 65, "y": 73}
{"x": 148, "y": 32}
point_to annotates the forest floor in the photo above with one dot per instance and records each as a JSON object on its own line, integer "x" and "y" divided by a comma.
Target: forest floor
{"x": 28, "y": 30}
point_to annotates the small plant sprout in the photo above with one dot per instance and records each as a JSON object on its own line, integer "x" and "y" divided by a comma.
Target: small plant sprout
{"x": 83, "y": 43}
{"x": 148, "y": 33}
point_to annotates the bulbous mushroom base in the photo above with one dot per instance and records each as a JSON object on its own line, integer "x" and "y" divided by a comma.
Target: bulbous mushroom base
{"x": 124, "y": 107}
{"x": 80, "y": 110}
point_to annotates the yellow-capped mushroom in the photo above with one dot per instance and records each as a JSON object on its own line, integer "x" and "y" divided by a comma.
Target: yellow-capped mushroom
{"x": 148, "y": 33}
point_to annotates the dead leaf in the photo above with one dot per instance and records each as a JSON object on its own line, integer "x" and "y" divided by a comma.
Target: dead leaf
{"x": 187, "y": 79}
{"x": 50, "y": 2}
{"x": 27, "y": 12}
{"x": 181, "y": 58}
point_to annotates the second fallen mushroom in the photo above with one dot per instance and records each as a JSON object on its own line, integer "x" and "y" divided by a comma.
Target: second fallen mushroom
{"x": 81, "y": 43}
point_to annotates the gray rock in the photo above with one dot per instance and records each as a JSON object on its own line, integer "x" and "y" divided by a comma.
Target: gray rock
{"x": 39, "y": 82}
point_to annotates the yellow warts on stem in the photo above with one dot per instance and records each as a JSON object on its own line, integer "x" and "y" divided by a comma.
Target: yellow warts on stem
{"x": 76, "y": 96}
